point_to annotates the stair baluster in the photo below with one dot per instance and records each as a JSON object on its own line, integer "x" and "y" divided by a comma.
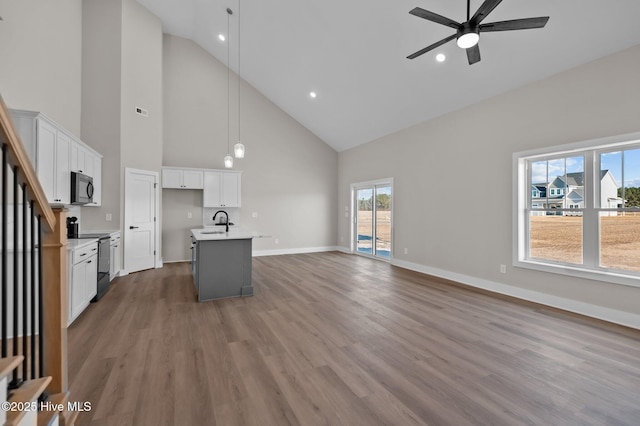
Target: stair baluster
{"x": 5, "y": 251}
{"x": 25, "y": 281}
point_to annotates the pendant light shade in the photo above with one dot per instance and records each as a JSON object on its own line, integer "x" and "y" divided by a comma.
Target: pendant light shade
{"x": 228, "y": 161}
{"x": 238, "y": 150}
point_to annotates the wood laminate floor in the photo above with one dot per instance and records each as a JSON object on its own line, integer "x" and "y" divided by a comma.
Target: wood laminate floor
{"x": 335, "y": 339}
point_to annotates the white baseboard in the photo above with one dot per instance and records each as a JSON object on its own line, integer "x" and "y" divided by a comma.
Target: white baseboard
{"x": 607, "y": 314}
{"x": 258, "y": 253}
{"x": 344, "y": 250}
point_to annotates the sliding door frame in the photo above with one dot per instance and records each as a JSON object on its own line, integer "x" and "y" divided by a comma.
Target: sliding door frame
{"x": 373, "y": 184}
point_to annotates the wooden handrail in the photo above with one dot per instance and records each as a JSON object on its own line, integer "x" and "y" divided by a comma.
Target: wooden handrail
{"x": 54, "y": 254}
{"x": 18, "y": 156}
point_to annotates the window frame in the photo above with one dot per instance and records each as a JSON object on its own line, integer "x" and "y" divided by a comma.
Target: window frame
{"x": 522, "y": 208}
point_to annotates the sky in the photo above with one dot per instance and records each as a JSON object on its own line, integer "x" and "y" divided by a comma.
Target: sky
{"x": 365, "y": 194}
{"x": 615, "y": 162}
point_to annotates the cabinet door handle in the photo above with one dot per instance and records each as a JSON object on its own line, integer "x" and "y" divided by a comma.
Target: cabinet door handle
{"x": 90, "y": 261}
{"x": 134, "y": 227}
{"x": 83, "y": 254}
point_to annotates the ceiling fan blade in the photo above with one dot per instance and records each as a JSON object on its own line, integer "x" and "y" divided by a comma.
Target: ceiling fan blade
{"x": 431, "y": 47}
{"x": 473, "y": 54}
{"x": 434, "y": 17}
{"x": 484, "y": 10}
{"x": 515, "y": 24}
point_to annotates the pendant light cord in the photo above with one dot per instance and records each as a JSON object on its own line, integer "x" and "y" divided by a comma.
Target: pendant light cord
{"x": 239, "y": 81}
{"x": 228, "y": 83}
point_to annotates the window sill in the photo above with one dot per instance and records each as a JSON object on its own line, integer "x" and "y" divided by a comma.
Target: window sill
{"x": 577, "y": 272}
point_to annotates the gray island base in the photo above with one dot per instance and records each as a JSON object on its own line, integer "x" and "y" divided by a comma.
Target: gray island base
{"x": 221, "y": 264}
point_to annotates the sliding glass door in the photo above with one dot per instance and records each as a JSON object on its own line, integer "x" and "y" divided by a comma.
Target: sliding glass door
{"x": 373, "y": 219}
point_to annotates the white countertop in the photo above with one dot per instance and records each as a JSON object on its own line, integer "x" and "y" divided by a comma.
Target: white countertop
{"x": 111, "y": 232}
{"x": 212, "y": 234}
{"x": 76, "y": 243}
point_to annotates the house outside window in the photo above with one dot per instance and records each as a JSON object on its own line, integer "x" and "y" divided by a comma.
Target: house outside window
{"x": 589, "y": 224}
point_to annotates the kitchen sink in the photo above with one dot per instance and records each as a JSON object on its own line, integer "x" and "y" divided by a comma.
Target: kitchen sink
{"x": 212, "y": 232}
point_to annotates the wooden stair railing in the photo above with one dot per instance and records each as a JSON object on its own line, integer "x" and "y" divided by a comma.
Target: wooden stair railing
{"x": 50, "y": 269}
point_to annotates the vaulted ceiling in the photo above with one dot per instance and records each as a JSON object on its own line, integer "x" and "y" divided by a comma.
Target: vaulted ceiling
{"x": 353, "y": 54}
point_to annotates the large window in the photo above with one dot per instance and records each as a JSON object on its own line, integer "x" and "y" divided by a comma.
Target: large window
{"x": 583, "y": 215}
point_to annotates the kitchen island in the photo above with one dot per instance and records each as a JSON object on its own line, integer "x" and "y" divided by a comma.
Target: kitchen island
{"x": 221, "y": 263}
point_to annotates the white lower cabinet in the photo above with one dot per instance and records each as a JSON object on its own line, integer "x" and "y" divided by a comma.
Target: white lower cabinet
{"x": 116, "y": 250}
{"x": 83, "y": 278}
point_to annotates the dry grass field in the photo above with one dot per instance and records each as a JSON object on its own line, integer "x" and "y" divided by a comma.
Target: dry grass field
{"x": 383, "y": 231}
{"x": 552, "y": 237}
{"x": 560, "y": 238}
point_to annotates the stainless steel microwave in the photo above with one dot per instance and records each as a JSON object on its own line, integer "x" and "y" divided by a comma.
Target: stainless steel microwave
{"x": 81, "y": 188}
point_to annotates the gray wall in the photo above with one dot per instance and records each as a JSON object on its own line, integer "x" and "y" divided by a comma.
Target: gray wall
{"x": 122, "y": 69}
{"x": 289, "y": 175}
{"x": 40, "y": 47}
{"x": 141, "y": 141}
{"x": 101, "y": 102}
{"x": 453, "y": 174}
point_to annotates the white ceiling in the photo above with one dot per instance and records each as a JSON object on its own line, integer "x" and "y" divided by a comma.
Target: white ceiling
{"x": 353, "y": 54}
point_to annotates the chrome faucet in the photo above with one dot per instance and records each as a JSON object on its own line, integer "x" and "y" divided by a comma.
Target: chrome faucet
{"x": 226, "y": 222}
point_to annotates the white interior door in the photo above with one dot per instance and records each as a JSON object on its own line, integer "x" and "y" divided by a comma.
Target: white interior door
{"x": 140, "y": 188}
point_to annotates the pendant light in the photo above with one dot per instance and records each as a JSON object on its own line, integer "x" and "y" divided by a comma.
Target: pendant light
{"x": 238, "y": 148}
{"x": 228, "y": 159}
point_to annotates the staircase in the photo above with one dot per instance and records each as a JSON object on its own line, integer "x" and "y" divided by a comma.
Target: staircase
{"x": 33, "y": 358}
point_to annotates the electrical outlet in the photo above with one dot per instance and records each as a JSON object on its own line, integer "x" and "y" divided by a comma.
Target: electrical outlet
{"x": 254, "y": 215}
{"x": 406, "y": 250}
{"x": 189, "y": 215}
{"x": 277, "y": 241}
{"x": 503, "y": 269}
{"x": 108, "y": 217}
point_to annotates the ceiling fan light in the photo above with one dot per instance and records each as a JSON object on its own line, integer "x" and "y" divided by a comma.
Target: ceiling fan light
{"x": 228, "y": 161}
{"x": 238, "y": 150}
{"x": 467, "y": 40}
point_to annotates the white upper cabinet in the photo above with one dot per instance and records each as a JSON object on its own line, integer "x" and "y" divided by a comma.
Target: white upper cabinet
{"x": 63, "y": 176}
{"x": 77, "y": 158}
{"x": 55, "y": 153}
{"x": 88, "y": 162}
{"x": 175, "y": 178}
{"x": 222, "y": 189}
{"x": 48, "y": 148}
{"x": 96, "y": 170}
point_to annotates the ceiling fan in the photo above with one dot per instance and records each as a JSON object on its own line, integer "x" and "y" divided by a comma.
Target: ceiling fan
{"x": 468, "y": 32}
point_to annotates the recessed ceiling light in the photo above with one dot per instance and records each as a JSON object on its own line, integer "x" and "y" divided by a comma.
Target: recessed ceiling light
{"x": 441, "y": 57}
{"x": 313, "y": 94}
{"x": 221, "y": 37}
